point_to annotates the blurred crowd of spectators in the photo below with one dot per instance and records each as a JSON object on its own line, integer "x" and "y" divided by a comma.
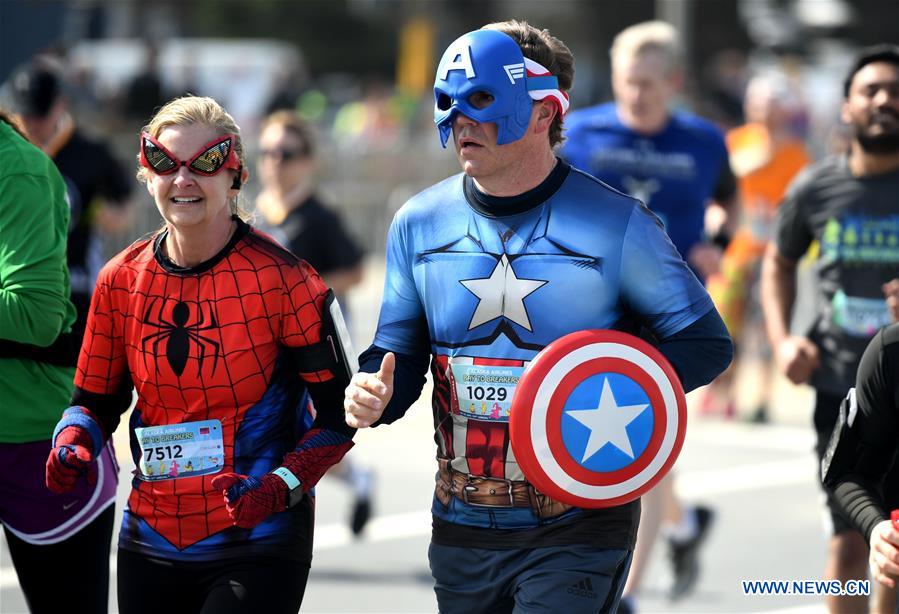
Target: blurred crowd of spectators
{"x": 377, "y": 146}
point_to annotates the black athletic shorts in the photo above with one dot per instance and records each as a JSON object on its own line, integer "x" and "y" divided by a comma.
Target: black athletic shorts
{"x": 149, "y": 585}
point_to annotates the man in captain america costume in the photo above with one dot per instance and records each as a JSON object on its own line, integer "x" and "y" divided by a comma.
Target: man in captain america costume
{"x": 483, "y": 271}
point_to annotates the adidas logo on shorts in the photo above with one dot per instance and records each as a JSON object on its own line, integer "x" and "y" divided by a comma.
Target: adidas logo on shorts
{"x": 584, "y": 588}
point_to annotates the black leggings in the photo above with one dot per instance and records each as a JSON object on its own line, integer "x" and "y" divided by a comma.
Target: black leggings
{"x": 246, "y": 585}
{"x": 75, "y": 570}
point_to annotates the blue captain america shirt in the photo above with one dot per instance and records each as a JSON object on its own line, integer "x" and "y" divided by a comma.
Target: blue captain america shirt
{"x": 675, "y": 172}
{"x": 482, "y": 287}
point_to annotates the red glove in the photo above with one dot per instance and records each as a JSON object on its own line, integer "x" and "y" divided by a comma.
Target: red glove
{"x": 72, "y": 458}
{"x": 250, "y": 500}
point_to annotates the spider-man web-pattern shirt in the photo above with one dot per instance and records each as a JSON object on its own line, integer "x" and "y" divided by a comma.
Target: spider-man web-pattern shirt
{"x": 201, "y": 344}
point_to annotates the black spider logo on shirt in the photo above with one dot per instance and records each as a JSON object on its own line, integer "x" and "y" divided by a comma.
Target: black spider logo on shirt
{"x": 177, "y": 335}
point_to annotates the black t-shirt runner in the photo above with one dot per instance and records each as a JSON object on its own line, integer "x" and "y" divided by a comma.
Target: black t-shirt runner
{"x": 855, "y": 221}
{"x": 90, "y": 171}
{"x": 316, "y": 234}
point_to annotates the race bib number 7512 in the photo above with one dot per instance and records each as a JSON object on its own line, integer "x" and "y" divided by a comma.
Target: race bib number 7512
{"x": 173, "y": 451}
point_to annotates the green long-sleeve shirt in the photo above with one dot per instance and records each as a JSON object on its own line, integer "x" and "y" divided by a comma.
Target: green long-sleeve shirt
{"x": 34, "y": 288}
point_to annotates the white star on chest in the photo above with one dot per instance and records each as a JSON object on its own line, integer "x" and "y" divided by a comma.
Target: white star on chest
{"x": 501, "y": 295}
{"x": 607, "y": 423}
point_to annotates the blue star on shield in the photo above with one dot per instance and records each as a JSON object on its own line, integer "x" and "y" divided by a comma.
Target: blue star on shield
{"x": 607, "y": 422}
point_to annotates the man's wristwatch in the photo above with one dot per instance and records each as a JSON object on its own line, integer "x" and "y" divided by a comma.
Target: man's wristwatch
{"x": 294, "y": 486}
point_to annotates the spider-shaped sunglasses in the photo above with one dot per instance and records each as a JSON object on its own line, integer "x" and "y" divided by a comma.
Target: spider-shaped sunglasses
{"x": 209, "y": 160}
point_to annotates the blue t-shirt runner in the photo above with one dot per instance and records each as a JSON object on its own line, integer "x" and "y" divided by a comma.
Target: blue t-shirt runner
{"x": 675, "y": 172}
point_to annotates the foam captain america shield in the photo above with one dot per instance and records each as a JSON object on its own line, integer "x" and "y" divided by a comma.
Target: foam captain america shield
{"x": 597, "y": 418}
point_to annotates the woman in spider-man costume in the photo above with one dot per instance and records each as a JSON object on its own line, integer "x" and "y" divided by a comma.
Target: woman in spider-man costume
{"x": 220, "y": 331}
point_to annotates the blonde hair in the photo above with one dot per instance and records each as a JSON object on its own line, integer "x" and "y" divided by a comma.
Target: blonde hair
{"x": 297, "y": 126}
{"x": 14, "y": 122}
{"x": 205, "y": 111}
{"x": 548, "y": 51}
{"x": 657, "y": 36}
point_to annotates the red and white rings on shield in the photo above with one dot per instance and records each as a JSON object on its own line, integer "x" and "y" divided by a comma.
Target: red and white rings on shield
{"x": 537, "y": 412}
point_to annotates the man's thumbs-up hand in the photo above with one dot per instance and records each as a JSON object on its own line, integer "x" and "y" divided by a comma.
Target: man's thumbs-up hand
{"x": 369, "y": 393}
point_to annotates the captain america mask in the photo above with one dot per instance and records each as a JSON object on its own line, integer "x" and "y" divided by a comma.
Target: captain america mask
{"x": 484, "y": 76}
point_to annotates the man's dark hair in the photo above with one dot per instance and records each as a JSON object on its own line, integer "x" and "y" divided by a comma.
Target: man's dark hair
{"x": 548, "y": 51}
{"x": 878, "y": 53}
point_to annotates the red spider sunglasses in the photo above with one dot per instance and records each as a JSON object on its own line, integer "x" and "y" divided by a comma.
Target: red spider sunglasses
{"x": 210, "y": 160}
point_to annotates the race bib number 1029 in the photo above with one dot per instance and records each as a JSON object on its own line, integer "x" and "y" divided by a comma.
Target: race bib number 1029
{"x": 485, "y": 392}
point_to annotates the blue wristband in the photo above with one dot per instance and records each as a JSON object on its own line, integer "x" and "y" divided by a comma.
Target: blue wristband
{"x": 75, "y": 416}
{"x": 289, "y": 478}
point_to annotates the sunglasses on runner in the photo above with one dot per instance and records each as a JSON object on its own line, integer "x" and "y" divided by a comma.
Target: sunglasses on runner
{"x": 283, "y": 155}
{"x": 210, "y": 160}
